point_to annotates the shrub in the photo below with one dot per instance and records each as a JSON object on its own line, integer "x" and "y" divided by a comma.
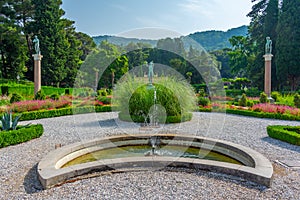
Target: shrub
{"x": 54, "y": 97}
{"x": 290, "y": 134}
{"x": 202, "y": 101}
{"x": 243, "y": 100}
{"x": 250, "y": 103}
{"x": 4, "y": 90}
{"x": 234, "y": 92}
{"x": 263, "y": 98}
{"x": 104, "y": 100}
{"x": 135, "y": 98}
{"x": 67, "y": 91}
{"x": 15, "y": 98}
{"x": 286, "y": 99}
{"x": 102, "y": 92}
{"x": 109, "y": 91}
{"x": 62, "y": 112}
{"x": 20, "y": 135}
{"x": 297, "y": 100}
{"x": 40, "y": 95}
{"x": 275, "y": 95}
{"x": 253, "y": 92}
{"x": 142, "y": 100}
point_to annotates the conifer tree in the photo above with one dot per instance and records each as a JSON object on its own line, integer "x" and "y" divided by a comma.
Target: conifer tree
{"x": 288, "y": 43}
{"x": 264, "y": 16}
{"x": 49, "y": 27}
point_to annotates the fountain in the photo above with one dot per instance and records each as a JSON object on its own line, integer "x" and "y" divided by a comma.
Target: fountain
{"x": 140, "y": 152}
{"x": 155, "y": 142}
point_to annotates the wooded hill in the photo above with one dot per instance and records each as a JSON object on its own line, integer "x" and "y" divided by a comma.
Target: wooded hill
{"x": 210, "y": 40}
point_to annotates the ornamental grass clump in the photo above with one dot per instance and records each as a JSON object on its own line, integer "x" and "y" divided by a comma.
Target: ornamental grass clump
{"x": 133, "y": 97}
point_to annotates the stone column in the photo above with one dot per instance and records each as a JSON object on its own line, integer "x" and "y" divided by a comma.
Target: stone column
{"x": 268, "y": 61}
{"x": 37, "y": 72}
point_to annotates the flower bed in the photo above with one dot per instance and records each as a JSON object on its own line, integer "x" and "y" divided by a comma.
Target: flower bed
{"x": 260, "y": 110}
{"x": 272, "y": 108}
{"x": 32, "y": 105}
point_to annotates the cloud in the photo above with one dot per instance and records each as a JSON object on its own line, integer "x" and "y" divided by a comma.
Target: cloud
{"x": 198, "y": 7}
{"x": 120, "y": 7}
{"x": 148, "y": 22}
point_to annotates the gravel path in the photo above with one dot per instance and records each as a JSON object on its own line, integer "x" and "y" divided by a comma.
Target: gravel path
{"x": 18, "y": 163}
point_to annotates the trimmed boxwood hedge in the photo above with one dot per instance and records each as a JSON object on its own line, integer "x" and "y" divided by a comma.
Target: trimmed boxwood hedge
{"x": 290, "y": 134}
{"x": 32, "y": 115}
{"x": 170, "y": 119}
{"x": 20, "y": 135}
{"x": 256, "y": 114}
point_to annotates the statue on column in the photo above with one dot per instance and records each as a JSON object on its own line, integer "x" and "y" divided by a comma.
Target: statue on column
{"x": 150, "y": 72}
{"x": 36, "y": 43}
{"x": 268, "y": 45}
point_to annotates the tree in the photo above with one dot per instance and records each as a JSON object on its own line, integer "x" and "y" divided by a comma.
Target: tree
{"x": 87, "y": 44}
{"x": 240, "y": 57}
{"x": 108, "y": 61}
{"x": 270, "y": 24}
{"x": 223, "y": 57}
{"x": 73, "y": 54}
{"x": 24, "y": 16}
{"x": 12, "y": 43}
{"x": 263, "y": 23}
{"x": 137, "y": 54}
{"x": 54, "y": 45}
{"x": 287, "y": 46}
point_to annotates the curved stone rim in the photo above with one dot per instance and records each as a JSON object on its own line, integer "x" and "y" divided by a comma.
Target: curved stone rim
{"x": 50, "y": 174}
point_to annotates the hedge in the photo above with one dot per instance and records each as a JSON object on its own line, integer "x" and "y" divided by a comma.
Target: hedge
{"x": 255, "y": 114}
{"x": 32, "y": 115}
{"x": 25, "y": 90}
{"x": 170, "y": 119}
{"x": 290, "y": 134}
{"x": 20, "y": 135}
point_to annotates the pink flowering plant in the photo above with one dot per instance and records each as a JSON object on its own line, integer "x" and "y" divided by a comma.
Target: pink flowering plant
{"x": 273, "y": 108}
{"x": 32, "y": 105}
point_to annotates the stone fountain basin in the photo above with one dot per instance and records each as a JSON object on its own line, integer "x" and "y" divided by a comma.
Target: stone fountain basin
{"x": 51, "y": 172}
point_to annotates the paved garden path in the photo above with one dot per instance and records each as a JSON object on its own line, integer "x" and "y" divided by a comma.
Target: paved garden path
{"x": 18, "y": 164}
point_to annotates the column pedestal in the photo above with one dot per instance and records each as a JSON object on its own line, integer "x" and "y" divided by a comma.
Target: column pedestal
{"x": 37, "y": 72}
{"x": 268, "y": 72}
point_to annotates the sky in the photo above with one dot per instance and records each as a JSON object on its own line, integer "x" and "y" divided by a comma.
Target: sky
{"x": 153, "y": 19}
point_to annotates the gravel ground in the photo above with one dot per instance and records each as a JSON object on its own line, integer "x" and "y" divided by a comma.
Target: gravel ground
{"x": 18, "y": 163}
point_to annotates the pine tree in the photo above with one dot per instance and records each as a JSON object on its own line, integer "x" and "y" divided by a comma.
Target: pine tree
{"x": 288, "y": 42}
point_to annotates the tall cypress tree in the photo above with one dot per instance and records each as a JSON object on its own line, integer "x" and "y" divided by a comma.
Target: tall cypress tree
{"x": 49, "y": 27}
{"x": 257, "y": 38}
{"x": 74, "y": 52}
{"x": 288, "y": 43}
{"x": 270, "y": 24}
{"x": 264, "y": 17}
